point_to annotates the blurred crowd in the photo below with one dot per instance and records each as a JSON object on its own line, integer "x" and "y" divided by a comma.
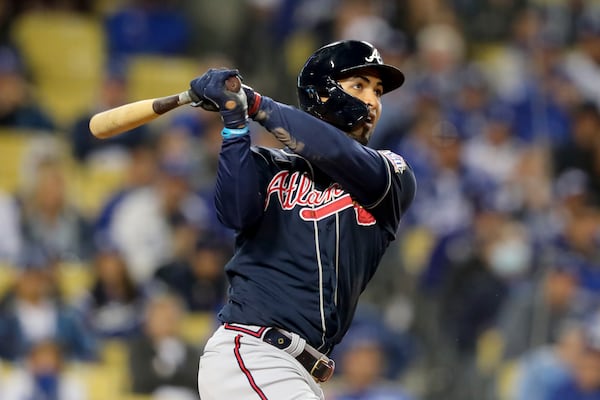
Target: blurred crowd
{"x": 490, "y": 292}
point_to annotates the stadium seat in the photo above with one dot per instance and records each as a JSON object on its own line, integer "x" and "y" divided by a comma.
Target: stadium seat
{"x": 157, "y": 76}
{"x": 66, "y": 55}
{"x": 92, "y": 184}
{"x": 196, "y": 327}
{"x": 13, "y": 145}
{"x": 102, "y": 381}
{"x": 130, "y": 396}
{"x": 416, "y": 245}
{"x": 7, "y": 276}
{"x": 490, "y": 346}
{"x": 74, "y": 279}
{"x": 506, "y": 380}
{"x": 20, "y": 148}
{"x": 114, "y": 353}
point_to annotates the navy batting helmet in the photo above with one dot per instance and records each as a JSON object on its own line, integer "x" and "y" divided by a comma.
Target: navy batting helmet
{"x": 318, "y": 76}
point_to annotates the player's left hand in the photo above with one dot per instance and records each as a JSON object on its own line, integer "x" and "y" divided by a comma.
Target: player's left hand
{"x": 212, "y": 91}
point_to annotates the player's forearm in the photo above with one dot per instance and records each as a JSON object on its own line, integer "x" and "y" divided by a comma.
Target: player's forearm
{"x": 356, "y": 167}
{"x": 237, "y": 195}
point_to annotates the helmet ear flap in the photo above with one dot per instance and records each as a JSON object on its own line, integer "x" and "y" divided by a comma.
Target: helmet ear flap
{"x": 310, "y": 99}
{"x": 343, "y": 110}
{"x": 339, "y": 109}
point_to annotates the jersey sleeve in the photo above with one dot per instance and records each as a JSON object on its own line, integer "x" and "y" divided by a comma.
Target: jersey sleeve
{"x": 400, "y": 193}
{"x": 361, "y": 171}
{"x": 238, "y": 195}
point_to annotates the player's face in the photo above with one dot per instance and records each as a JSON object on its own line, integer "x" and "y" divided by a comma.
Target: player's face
{"x": 368, "y": 88}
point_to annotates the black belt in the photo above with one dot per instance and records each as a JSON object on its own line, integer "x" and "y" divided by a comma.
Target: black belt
{"x": 318, "y": 365}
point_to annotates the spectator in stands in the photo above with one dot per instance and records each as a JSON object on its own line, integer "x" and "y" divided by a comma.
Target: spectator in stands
{"x": 18, "y": 106}
{"x": 533, "y": 316}
{"x": 113, "y": 93}
{"x": 582, "y": 150}
{"x": 542, "y": 370}
{"x": 199, "y": 276}
{"x": 147, "y": 27}
{"x": 470, "y": 109}
{"x": 582, "y": 65}
{"x": 440, "y": 55}
{"x": 363, "y": 360}
{"x": 112, "y": 308}
{"x": 449, "y": 189}
{"x": 578, "y": 243}
{"x": 478, "y": 287}
{"x": 141, "y": 171}
{"x": 529, "y": 78}
{"x": 478, "y": 270}
{"x": 160, "y": 361}
{"x": 42, "y": 377}
{"x": 584, "y": 383}
{"x": 145, "y": 221}
{"x": 10, "y": 245}
{"x": 497, "y": 137}
{"x": 49, "y": 218}
{"x": 31, "y": 311}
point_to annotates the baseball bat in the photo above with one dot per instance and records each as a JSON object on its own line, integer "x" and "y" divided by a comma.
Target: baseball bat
{"x": 115, "y": 121}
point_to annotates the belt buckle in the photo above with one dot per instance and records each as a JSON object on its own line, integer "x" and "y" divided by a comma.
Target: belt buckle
{"x": 323, "y": 369}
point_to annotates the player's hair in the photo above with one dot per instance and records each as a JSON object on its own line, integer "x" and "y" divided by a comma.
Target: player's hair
{"x": 318, "y": 79}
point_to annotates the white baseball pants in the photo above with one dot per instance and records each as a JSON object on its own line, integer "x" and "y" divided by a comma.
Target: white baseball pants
{"x": 238, "y": 365}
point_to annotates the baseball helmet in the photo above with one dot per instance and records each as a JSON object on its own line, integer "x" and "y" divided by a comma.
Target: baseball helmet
{"x": 318, "y": 77}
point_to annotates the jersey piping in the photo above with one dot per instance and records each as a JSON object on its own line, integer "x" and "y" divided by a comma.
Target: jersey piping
{"x": 318, "y": 252}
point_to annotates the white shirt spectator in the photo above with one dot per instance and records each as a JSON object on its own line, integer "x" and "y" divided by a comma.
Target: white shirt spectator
{"x": 19, "y": 385}
{"x": 10, "y": 245}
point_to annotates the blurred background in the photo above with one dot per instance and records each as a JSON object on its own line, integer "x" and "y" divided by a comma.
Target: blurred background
{"x": 111, "y": 257}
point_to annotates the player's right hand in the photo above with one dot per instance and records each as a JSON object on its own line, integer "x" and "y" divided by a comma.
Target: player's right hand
{"x": 211, "y": 89}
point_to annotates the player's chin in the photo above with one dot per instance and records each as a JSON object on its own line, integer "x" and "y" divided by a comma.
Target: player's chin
{"x": 362, "y": 133}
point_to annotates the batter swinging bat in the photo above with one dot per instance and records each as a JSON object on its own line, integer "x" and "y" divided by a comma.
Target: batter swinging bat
{"x": 120, "y": 119}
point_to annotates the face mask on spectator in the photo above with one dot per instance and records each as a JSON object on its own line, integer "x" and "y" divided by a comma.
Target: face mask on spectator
{"x": 510, "y": 258}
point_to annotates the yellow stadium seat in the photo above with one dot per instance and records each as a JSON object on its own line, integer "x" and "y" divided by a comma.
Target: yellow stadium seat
{"x": 299, "y": 47}
{"x": 416, "y": 246}
{"x": 196, "y": 327}
{"x": 92, "y": 184}
{"x": 490, "y": 347}
{"x": 114, "y": 353}
{"x": 102, "y": 381}
{"x": 506, "y": 380}
{"x": 5, "y": 369}
{"x": 66, "y": 55}
{"x": 130, "y": 396}
{"x": 7, "y": 276}
{"x": 74, "y": 279}
{"x": 157, "y": 76}
{"x": 13, "y": 144}
{"x": 19, "y": 148}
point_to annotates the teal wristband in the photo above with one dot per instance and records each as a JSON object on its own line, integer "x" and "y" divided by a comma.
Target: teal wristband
{"x": 229, "y": 133}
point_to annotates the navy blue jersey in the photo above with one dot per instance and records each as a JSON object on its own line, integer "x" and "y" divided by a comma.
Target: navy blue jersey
{"x": 312, "y": 220}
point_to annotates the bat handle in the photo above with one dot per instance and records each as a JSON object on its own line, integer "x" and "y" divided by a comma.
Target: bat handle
{"x": 168, "y": 103}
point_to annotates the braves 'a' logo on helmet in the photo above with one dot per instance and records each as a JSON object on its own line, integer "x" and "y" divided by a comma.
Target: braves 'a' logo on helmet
{"x": 375, "y": 56}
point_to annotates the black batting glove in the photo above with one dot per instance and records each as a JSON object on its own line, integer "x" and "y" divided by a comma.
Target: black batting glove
{"x": 213, "y": 94}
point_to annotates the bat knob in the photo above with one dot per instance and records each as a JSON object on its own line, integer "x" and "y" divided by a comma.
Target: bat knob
{"x": 233, "y": 84}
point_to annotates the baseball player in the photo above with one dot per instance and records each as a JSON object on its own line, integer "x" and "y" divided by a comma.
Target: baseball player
{"x": 312, "y": 220}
